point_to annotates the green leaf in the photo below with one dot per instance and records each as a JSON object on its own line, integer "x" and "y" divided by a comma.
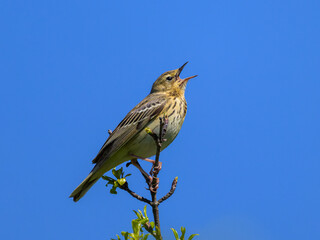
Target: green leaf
{"x": 145, "y": 237}
{"x": 107, "y": 178}
{"x": 117, "y": 173}
{"x": 136, "y": 225}
{"x": 139, "y": 215}
{"x": 140, "y": 225}
{"x": 128, "y": 175}
{"x": 152, "y": 224}
{"x": 145, "y": 211}
{"x": 121, "y": 172}
{"x": 125, "y": 234}
{"x": 114, "y": 171}
{"x": 192, "y": 236}
{"x": 113, "y": 190}
{"x": 118, "y": 238}
{"x": 136, "y": 213}
{"x": 176, "y": 235}
{"x": 144, "y": 221}
{"x": 183, "y": 232}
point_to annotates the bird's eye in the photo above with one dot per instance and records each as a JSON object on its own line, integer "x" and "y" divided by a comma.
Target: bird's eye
{"x": 169, "y": 78}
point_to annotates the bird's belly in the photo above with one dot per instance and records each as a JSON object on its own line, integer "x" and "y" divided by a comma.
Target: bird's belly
{"x": 144, "y": 145}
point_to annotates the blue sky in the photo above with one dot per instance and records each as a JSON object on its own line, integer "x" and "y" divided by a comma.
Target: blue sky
{"x": 247, "y": 156}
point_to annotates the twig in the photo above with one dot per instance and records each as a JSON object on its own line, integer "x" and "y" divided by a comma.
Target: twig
{"x": 125, "y": 187}
{"x": 169, "y": 194}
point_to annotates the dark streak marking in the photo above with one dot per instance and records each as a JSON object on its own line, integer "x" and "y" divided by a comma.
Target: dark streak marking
{"x": 175, "y": 103}
{"x": 168, "y": 107}
{"x": 172, "y": 113}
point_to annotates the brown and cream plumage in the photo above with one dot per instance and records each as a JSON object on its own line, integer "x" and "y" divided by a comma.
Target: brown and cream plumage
{"x": 130, "y": 138}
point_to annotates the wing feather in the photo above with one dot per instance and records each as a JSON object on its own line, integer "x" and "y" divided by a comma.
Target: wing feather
{"x": 135, "y": 121}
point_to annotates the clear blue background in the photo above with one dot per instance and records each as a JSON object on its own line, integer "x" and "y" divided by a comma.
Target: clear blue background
{"x": 247, "y": 156}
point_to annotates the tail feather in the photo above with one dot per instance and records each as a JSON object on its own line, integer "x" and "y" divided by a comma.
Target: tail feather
{"x": 84, "y": 187}
{"x": 94, "y": 176}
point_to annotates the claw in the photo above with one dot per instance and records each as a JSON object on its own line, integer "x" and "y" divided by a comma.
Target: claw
{"x": 156, "y": 169}
{"x": 154, "y": 187}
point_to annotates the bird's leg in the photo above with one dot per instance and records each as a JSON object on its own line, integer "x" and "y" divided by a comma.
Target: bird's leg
{"x": 144, "y": 159}
{"x": 153, "y": 169}
{"x": 146, "y": 176}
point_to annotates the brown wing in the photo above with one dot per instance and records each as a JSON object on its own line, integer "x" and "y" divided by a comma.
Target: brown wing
{"x": 136, "y": 120}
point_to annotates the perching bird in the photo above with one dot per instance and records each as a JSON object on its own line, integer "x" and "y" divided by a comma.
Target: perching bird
{"x": 130, "y": 140}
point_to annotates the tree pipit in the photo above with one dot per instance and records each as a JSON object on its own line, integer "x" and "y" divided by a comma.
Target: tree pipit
{"x": 130, "y": 138}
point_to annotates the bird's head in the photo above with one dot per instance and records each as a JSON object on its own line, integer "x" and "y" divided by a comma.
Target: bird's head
{"x": 171, "y": 82}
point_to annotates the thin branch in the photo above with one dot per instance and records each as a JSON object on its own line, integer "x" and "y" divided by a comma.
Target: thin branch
{"x": 125, "y": 187}
{"x": 159, "y": 139}
{"x": 169, "y": 194}
{"x": 153, "y": 180}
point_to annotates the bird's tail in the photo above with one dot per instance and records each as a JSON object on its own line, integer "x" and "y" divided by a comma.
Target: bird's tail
{"x": 84, "y": 187}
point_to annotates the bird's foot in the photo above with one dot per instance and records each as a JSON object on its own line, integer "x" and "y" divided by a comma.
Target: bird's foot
{"x": 155, "y": 169}
{"x": 154, "y": 186}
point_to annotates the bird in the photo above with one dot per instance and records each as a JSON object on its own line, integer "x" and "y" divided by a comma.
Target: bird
{"x": 129, "y": 140}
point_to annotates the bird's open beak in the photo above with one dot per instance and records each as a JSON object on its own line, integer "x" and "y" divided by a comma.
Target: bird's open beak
{"x": 181, "y": 68}
{"x": 185, "y": 79}
{"x": 188, "y": 78}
